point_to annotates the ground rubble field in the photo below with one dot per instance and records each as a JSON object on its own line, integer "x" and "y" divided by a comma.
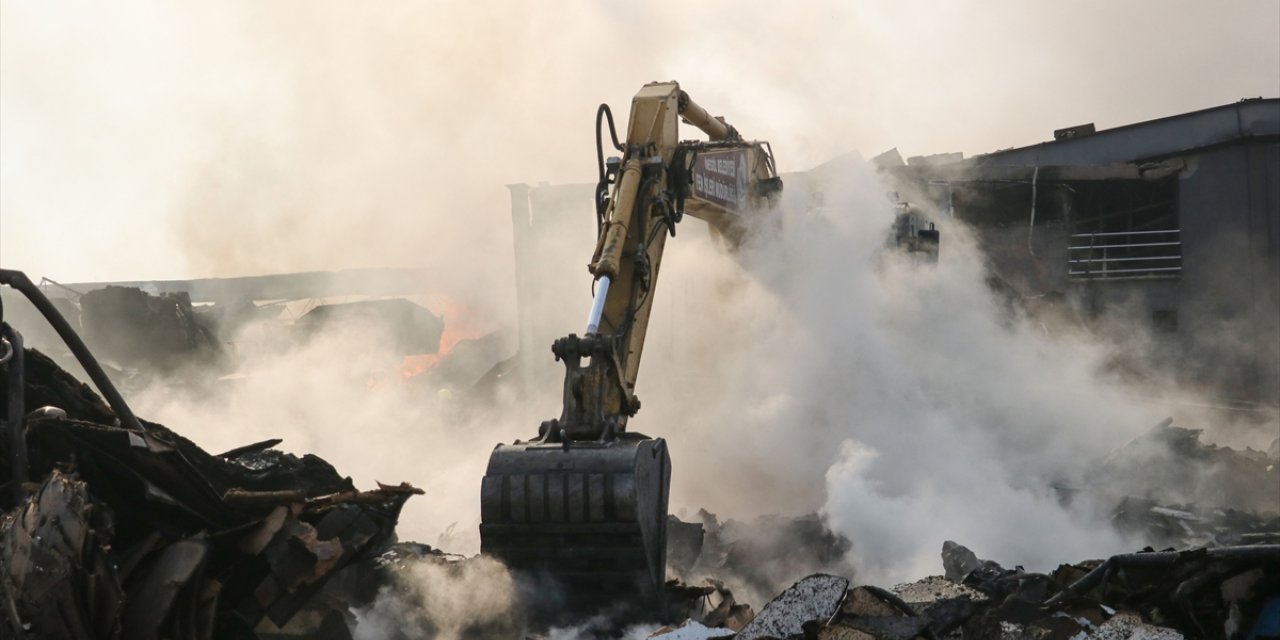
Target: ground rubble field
{"x": 1208, "y": 592}
{"x": 124, "y": 533}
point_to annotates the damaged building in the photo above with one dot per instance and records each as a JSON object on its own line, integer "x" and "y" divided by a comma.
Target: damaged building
{"x": 1170, "y": 226}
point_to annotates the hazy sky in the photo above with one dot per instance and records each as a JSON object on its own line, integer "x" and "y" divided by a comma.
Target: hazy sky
{"x": 166, "y": 139}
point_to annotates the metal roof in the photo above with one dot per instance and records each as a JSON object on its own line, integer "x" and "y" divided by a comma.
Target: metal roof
{"x": 1153, "y": 139}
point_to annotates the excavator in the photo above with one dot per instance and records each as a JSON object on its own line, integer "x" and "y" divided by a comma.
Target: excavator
{"x": 585, "y": 501}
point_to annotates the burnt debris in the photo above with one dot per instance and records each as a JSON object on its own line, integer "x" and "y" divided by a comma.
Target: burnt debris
{"x": 141, "y": 534}
{"x": 140, "y": 330}
{"x": 115, "y": 527}
{"x": 1217, "y": 592}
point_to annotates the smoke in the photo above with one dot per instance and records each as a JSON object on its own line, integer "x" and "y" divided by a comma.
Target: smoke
{"x": 341, "y": 396}
{"x": 899, "y": 399}
{"x": 479, "y": 598}
{"x": 446, "y": 601}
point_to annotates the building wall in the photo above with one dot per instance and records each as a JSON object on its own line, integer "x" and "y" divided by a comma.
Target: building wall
{"x": 1227, "y": 298}
{"x": 1217, "y": 323}
{"x": 1229, "y": 307}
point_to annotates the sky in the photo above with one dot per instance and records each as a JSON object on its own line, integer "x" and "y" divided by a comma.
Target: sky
{"x": 148, "y": 140}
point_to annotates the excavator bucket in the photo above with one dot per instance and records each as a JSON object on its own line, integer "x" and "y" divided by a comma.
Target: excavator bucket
{"x": 592, "y": 516}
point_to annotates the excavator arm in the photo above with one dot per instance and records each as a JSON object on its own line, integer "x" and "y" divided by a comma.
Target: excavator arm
{"x": 656, "y": 181}
{"x": 586, "y": 501}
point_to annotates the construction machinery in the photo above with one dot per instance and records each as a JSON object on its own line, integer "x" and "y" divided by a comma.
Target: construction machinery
{"x": 912, "y": 233}
{"x": 585, "y": 502}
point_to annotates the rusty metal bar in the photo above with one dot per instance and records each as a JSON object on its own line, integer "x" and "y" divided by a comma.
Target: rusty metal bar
{"x": 16, "y": 385}
{"x": 1137, "y": 259}
{"x": 1125, "y": 246}
{"x": 1103, "y": 274}
{"x": 19, "y": 280}
{"x": 1123, "y": 233}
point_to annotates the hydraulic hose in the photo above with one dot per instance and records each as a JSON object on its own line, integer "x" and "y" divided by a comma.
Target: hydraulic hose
{"x": 602, "y": 186}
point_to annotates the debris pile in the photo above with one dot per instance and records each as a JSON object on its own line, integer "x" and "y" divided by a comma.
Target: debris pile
{"x": 138, "y": 533}
{"x": 1215, "y": 592}
{"x": 1170, "y": 464}
{"x": 755, "y": 558}
{"x": 400, "y": 325}
{"x": 144, "y": 331}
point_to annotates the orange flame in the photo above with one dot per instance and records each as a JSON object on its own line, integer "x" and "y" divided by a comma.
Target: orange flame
{"x": 460, "y": 324}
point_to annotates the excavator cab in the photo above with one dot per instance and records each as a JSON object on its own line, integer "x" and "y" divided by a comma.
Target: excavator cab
{"x": 585, "y": 502}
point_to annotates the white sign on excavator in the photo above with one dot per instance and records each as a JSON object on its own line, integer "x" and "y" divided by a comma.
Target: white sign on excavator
{"x": 721, "y": 177}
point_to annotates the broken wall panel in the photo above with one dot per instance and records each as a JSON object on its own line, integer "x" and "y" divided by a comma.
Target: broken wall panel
{"x": 138, "y": 329}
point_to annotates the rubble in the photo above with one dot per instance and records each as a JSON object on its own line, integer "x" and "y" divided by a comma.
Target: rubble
{"x": 141, "y": 330}
{"x": 815, "y": 598}
{"x": 758, "y": 557}
{"x": 1170, "y": 465}
{"x": 138, "y": 533}
{"x": 692, "y": 630}
{"x": 1207, "y": 592}
{"x": 1189, "y": 525}
{"x": 404, "y": 326}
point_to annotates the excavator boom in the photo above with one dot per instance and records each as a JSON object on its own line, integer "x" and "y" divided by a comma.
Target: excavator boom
{"x": 585, "y": 502}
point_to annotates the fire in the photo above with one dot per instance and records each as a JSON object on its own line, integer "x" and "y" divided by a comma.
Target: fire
{"x": 460, "y": 323}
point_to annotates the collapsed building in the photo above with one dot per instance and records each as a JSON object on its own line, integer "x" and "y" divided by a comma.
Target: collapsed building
{"x": 211, "y": 328}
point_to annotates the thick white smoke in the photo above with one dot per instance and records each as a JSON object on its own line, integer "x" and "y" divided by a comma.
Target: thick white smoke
{"x": 341, "y": 397}
{"x": 443, "y": 601}
{"x": 901, "y": 399}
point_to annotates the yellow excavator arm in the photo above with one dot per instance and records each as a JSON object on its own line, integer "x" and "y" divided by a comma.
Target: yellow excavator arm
{"x": 586, "y": 501}
{"x": 657, "y": 180}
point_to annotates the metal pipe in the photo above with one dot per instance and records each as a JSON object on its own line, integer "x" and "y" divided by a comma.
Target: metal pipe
{"x": 695, "y": 115}
{"x": 1102, "y": 572}
{"x": 1246, "y": 552}
{"x": 1031, "y": 226}
{"x": 1123, "y": 233}
{"x": 1142, "y": 259}
{"x": 19, "y": 280}
{"x": 17, "y": 411}
{"x": 1126, "y": 246}
{"x": 621, "y": 213}
{"x": 597, "y": 305}
{"x": 1162, "y": 269}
